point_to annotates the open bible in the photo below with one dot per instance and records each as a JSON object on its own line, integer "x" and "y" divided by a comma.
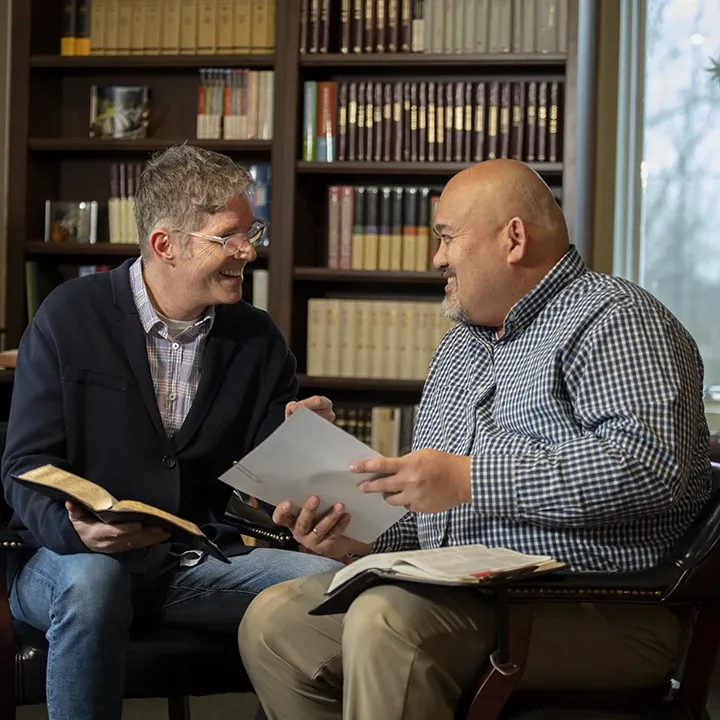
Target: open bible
{"x": 465, "y": 565}
{"x": 62, "y": 485}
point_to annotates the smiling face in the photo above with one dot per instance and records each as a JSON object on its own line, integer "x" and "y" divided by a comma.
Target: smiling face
{"x": 500, "y": 233}
{"x": 472, "y": 256}
{"x": 211, "y": 275}
{"x": 188, "y": 273}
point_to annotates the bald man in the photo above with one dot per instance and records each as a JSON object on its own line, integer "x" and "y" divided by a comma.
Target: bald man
{"x": 562, "y": 416}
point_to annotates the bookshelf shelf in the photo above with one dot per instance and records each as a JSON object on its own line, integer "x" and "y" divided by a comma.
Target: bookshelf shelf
{"x": 95, "y": 145}
{"x": 101, "y": 249}
{"x": 403, "y": 168}
{"x": 120, "y": 62}
{"x": 355, "y": 383}
{"x": 367, "y": 276}
{"x": 457, "y": 60}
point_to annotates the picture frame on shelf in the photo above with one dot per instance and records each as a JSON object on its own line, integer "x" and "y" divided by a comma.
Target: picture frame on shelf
{"x": 69, "y": 221}
{"x": 119, "y": 111}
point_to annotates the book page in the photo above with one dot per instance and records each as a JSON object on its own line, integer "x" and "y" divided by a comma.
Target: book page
{"x": 308, "y": 456}
{"x": 84, "y": 491}
{"x": 468, "y": 562}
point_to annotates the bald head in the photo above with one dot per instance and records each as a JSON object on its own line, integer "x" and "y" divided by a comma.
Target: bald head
{"x": 500, "y": 232}
{"x": 496, "y": 191}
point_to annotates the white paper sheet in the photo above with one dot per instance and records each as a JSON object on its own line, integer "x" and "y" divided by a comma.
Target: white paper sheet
{"x": 308, "y": 456}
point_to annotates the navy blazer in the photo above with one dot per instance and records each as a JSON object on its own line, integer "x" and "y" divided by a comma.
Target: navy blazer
{"x": 84, "y": 400}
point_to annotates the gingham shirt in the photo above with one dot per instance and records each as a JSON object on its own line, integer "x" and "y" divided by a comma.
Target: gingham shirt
{"x": 175, "y": 362}
{"x": 584, "y": 423}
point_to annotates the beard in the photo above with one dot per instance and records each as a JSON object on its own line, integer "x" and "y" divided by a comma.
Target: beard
{"x": 451, "y": 307}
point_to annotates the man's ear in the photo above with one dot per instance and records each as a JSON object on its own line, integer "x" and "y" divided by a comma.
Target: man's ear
{"x": 517, "y": 240}
{"x": 163, "y": 245}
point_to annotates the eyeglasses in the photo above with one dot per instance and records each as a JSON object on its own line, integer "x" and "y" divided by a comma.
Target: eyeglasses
{"x": 234, "y": 243}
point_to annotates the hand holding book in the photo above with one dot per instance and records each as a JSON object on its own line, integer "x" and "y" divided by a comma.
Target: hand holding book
{"x": 102, "y": 537}
{"x": 124, "y": 520}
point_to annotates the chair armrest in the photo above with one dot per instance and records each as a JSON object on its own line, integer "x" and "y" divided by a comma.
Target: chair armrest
{"x": 256, "y": 523}
{"x": 651, "y": 585}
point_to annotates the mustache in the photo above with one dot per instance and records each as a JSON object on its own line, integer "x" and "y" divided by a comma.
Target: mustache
{"x": 447, "y": 274}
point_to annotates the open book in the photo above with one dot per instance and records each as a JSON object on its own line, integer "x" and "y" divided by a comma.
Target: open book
{"x": 61, "y": 485}
{"x": 465, "y": 565}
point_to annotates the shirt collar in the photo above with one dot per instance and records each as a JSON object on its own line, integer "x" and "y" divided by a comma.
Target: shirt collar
{"x": 146, "y": 312}
{"x": 570, "y": 267}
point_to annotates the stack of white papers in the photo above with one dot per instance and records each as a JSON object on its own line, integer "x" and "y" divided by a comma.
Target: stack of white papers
{"x": 306, "y": 456}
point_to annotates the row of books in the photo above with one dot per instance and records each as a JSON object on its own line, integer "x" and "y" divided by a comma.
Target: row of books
{"x": 433, "y": 26}
{"x": 387, "y": 430}
{"x": 429, "y": 121}
{"x": 367, "y": 338}
{"x": 125, "y": 179}
{"x": 381, "y": 228}
{"x": 235, "y": 104}
{"x": 167, "y": 27}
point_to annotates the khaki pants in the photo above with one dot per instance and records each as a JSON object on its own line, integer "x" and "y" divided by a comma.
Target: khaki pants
{"x": 408, "y": 652}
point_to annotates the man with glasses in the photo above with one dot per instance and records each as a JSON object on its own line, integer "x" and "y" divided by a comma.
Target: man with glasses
{"x": 149, "y": 380}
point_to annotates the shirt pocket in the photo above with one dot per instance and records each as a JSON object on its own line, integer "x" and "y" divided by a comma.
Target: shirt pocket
{"x": 88, "y": 376}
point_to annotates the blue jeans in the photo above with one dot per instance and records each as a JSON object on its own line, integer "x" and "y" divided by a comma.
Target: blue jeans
{"x": 85, "y": 604}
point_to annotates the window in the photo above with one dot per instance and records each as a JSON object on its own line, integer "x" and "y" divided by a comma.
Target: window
{"x": 668, "y": 224}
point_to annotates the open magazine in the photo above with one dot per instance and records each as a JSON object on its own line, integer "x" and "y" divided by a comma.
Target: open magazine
{"x": 466, "y": 565}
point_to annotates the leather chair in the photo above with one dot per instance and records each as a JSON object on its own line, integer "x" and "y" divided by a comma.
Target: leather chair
{"x": 687, "y": 581}
{"x": 163, "y": 662}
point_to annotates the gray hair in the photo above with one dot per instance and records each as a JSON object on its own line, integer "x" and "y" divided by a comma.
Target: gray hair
{"x": 183, "y": 184}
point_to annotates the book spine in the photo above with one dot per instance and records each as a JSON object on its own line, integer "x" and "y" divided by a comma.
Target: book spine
{"x": 345, "y": 39}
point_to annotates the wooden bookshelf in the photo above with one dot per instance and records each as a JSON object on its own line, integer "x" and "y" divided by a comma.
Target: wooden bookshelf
{"x": 485, "y": 61}
{"x": 403, "y": 168}
{"x": 61, "y": 249}
{"x": 108, "y": 63}
{"x": 52, "y": 157}
{"x": 384, "y": 277}
{"x": 106, "y": 145}
{"x": 367, "y": 384}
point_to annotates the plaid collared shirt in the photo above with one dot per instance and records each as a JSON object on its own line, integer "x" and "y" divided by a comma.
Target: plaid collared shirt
{"x": 584, "y": 423}
{"x": 175, "y": 362}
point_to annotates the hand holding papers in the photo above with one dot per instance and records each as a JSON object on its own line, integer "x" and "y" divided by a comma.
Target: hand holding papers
{"x": 308, "y": 456}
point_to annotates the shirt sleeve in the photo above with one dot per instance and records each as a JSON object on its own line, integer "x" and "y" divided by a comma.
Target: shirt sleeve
{"x": 635, "y": 388}
{"x": 400, "y": 537}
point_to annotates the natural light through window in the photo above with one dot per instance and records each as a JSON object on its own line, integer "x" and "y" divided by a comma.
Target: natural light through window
{"x": 680, "y": 173}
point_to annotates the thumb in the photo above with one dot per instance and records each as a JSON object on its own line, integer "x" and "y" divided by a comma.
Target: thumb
{"x": 290, "y": 408}
{"x": 75, "y": 511}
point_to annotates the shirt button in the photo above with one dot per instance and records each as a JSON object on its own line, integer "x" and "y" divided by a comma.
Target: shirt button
{"x": 176, "y": 345}
{"x": 172, "y": 396}
{"x": 169, "y": 461}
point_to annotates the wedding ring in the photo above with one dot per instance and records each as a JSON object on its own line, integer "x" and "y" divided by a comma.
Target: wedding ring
{"x": 317, "y": 534}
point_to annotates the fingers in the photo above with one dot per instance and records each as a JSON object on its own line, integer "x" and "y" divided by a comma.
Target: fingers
{"x": 317, "y": 403}
{"x": 76, "y": 512}
{"x": 378, "y": 466}
{"x": 325, "y": 539}
{"x": 125, "y": 542}
{"x": 328, "y": 525}
{"x": 306, "y": 519}
{"x": 283, "y": 516}
{"x": 387, "y": 484}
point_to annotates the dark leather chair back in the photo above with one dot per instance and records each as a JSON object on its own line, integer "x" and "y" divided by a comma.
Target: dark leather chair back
{"x": 696, "y": 558}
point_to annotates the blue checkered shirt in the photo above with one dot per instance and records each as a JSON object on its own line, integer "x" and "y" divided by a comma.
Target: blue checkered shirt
{"x": 175, "y": 362}
{"x": 584, "y": 423}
